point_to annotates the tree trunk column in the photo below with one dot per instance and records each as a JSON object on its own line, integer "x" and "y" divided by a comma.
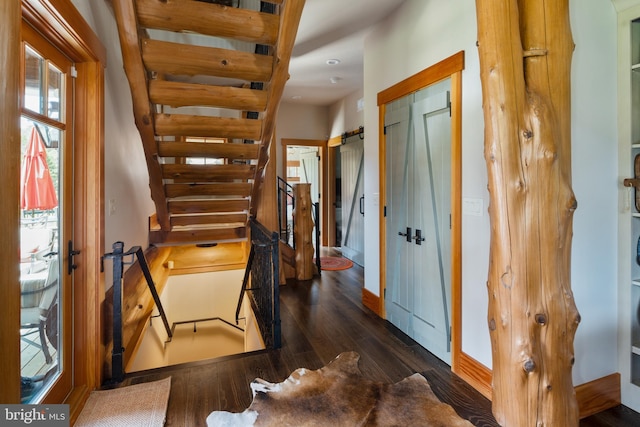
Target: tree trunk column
{"x": 303, "y": 231}
{"x": 525, "y": 50}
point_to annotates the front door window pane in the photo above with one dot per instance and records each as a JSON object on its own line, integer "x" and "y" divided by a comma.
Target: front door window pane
{"x": 33, "y": 96}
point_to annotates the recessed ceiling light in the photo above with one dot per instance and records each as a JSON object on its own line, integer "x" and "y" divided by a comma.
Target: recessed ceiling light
{"x": 335, "y": 80}
{"x": 333, "y": 61}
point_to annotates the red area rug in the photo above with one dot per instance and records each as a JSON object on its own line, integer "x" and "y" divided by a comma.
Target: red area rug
{"x": 333, "y": 263}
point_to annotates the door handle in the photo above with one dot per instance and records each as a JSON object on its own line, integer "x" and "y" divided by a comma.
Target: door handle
{"x": 407, "y": 234}
{"x": 418, "y": 237}
{"x": 362, "y": 205}
{"x": 70, "y": 265}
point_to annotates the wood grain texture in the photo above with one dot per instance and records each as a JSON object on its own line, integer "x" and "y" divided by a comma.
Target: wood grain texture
{"x": 136, "y": 74}
{"x": 242, "y": 189}
{"x": 207, "y": 173}
{"x": 177, "y": 94}
{"x": 303, "y": 232}
{"x": 190, "y": 60}
{"x": 371, "y": 301}
{"x": 321, "y": 319}
{"x": 9, "y": 211}
{"x": 290, "y": 13}
{"x": 598, "y": 395}
{"x": 209, "y": 19}
{"x": 207, "y": 126}
{"x": 208, "y": 150}
{"x": 207, "y": 206}
{"x": 186, "y": 220}
{"x": 196, "y": 235}
{"x": 525, "y": 50}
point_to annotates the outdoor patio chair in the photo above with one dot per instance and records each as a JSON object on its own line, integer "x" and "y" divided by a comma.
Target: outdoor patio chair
{"x": 38, "y": 298}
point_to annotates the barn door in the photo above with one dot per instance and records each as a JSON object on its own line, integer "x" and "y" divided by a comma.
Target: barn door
{"x": 310, "y": 170}
{"x": 351, "y": 160}
{"x": 418, "y": 138}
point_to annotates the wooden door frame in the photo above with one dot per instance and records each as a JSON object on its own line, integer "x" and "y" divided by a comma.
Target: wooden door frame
{"x": 448, "y": 68}
{"x": 285, "y": 142}
{"x": 61, "y": 23}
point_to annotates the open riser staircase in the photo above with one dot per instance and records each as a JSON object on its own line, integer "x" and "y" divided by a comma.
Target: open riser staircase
{"x": 206, "y": 79}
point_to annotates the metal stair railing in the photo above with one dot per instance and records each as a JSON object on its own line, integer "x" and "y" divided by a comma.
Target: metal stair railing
{"x": 285, "y": 199}
{"x": 117, "y": 353}
{"x": 264, "y": 293}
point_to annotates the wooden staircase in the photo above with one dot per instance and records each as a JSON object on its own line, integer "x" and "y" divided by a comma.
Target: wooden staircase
{"x": 205, "y": 104}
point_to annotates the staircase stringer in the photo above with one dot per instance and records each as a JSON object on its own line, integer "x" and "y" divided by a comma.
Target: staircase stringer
{"x": 126, "y": 19}
{"x": 290, "y": 13}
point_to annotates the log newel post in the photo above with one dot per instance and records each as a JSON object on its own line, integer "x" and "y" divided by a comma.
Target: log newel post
{"x": 525, "y": 49}
{"x": 303, "y": 231}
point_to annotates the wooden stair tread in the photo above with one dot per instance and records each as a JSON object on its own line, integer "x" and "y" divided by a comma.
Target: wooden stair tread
{"x": 209, "y": 19}
{"x": 205, "y": 202}
{"x": 182, "y": 59}
{"x": 208, "y": 206}
{"x": 214, "y": 235}
{"x": 242, "y": 189}
{"x": 209, "y": 150}
{"x": 176, "y": 94}
{"x": 207, "y": 126}
{"x": 208, "y": 219}
{"x": 207, "y": 173}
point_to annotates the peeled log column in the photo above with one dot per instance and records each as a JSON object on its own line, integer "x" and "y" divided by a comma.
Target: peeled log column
{"x": 525, "y": 50}
{"x": 303, "y": 231}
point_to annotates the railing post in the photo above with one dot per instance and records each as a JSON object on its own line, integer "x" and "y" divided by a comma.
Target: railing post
{"x": 117, "y": 352}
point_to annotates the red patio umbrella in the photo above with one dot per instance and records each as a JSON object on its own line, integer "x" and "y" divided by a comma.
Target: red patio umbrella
{"x": 36, "y": 186}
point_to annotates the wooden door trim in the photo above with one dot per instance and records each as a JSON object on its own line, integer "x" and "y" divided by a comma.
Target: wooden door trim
{"x": 448, "y": 68}
{"x": 324, "y": 155}
{"x": 61, "y": 23}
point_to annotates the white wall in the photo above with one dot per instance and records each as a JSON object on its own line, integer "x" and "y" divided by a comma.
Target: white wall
{"x": 344, "y": 115}
{"x": 300, "y": 121}
{"x": 126, "y": 175}
{"x": 422, "y": 33}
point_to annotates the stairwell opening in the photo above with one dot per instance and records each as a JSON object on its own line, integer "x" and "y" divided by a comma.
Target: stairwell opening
{"x": 201, "y": 309}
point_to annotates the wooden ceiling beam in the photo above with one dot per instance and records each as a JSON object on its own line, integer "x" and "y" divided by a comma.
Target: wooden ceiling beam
{"x": 208, "y": 150}
{"x": 177, "y": 94}
{"x": 183, "y": 59}
{"x": 209, "y": 19}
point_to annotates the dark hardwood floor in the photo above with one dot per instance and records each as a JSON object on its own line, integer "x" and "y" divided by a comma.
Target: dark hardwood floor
{"x": 320, "y": 319}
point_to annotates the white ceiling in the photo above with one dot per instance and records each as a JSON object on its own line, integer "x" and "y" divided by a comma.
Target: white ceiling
{"x": 332, "y": 29}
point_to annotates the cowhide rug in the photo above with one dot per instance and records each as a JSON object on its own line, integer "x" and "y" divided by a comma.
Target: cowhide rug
{"x": 338, "y": 395}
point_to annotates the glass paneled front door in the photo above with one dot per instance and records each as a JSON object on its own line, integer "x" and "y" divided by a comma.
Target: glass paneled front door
{"x": 45, "y": 219}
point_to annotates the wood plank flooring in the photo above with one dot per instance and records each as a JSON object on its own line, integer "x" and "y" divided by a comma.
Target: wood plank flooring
{"x": 320, "y": 319}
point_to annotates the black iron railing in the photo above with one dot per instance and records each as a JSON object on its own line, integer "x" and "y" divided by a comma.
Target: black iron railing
{"x": 286, "y": 203}
{"x": 264, "y": 293}
{"x": 316, "y": 228}
{"x": 117, "y": 353}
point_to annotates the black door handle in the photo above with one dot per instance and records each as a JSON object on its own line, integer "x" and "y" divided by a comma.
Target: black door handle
{"x": 407, "y": 234}
{"x": 70, "y": 265}
{"x": 418, "y": 237}
{"x": 362, "y": 205}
